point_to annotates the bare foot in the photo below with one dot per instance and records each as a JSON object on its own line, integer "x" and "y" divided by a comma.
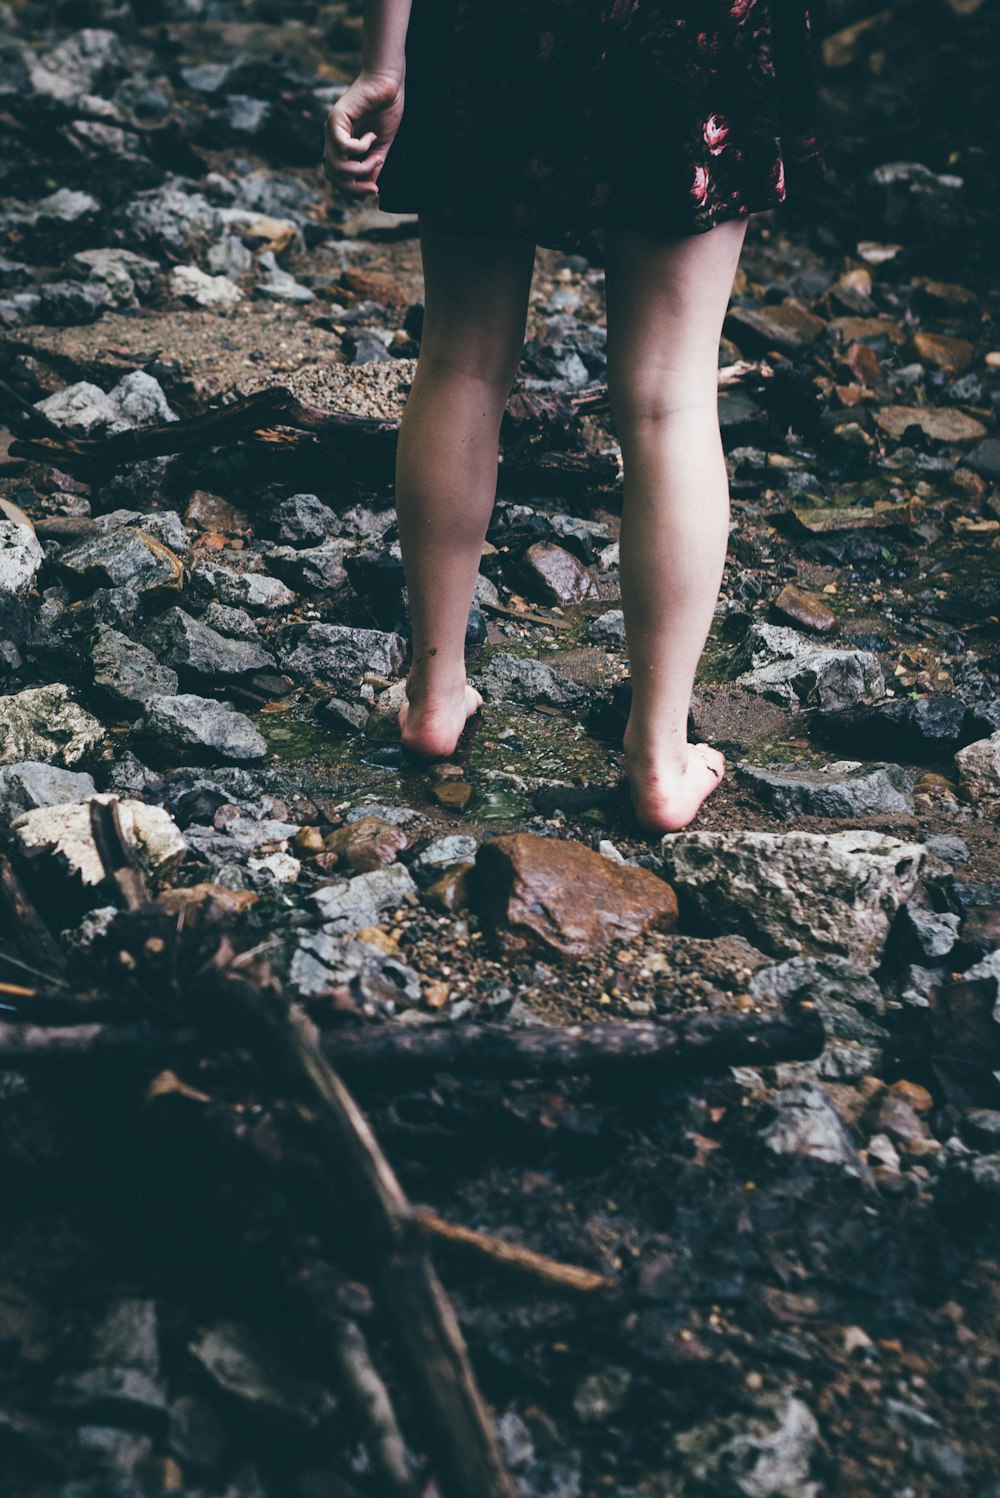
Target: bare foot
{"x": 666, "y": 800}
{"x": 431, "y": 726}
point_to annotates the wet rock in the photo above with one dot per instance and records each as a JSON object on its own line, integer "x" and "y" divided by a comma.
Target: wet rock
{"x": 928, "y": 728}
{"x": 362, "y": 901}
{"x": 333, "y": 654}
{"x": 556, "y": 896}
{"x": 843, "y": 789}
{"x": 343, "y": 717}
{"x": 21, "y": 554}
{"x": 202, "y": 656}
{"x": 367, "y": 844}
{"x": 351, "y": 974}
{"x": 779, "y": 664}
{"x": 608, "y": 629}
{"x": 801, "y": 1120}
{"x": 797, "y": 892}
{"x": 766, "y": 1454}
{"x": 515, "y": 678}
{"x": 214, "y": 293}
{"x": 187, "y": 726}
{"x": 29, "y": 784}
{"x": 806, "y": 610}
{"x": 129, "y": 673}
{"x": 247, "y": 1372}
{"x": 257, "y": 591}
{"x": 978, "y": 768}
{"x": 123, "y": 558}
{"x": 553, "y": 575}
{"x": 64, "y": 833}
{"x": 304, "y": 520}
{"x": 44, "y": 724}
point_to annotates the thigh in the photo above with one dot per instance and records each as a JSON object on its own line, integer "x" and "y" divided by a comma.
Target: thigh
{"x": 666, "y": 302}
{"x": 476, "y": 289}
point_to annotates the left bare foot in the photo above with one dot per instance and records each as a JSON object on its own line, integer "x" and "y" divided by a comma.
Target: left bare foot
{"x": 431, "y": 725}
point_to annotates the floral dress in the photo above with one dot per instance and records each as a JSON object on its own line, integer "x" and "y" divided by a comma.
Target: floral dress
{"x": 552, "y": 118}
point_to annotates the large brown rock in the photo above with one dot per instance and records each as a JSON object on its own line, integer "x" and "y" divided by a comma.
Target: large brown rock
{"x": 548, "y": 895}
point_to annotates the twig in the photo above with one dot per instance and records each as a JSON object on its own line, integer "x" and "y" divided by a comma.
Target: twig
{"x": 513, "y": 1255}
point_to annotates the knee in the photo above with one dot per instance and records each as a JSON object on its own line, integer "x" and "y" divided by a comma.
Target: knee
{"x": 649, "y": 410}
{"x": 493, "y": 369}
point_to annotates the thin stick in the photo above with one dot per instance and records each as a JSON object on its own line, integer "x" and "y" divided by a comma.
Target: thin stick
{"x": 513, "y": 1255}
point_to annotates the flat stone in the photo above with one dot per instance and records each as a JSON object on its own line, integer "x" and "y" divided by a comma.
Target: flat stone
{"x": 362, "y": 901}
{"x": 245, "y": 1370}
{"x": 844, "y": 789}
{"x": 123, "y": 558}
{"x": 805, "y": 609}
{"x": 21, "y": 554}
{"x": 826, "y": 520}
{"x": 786, "y": 326}
{"x": 187, "y": 726}
{"x": 445, "y": 853}
{"x": 28, "y": 785}
{"x": 559, "y": 897}
{"x": 794, "y": 893}
{"x": 938, "y": 422}
{"x": 978, "y": 768}
{"x": 63, "y": 833}
{"x": 333, "y": 654}
{"x": 783, "y": 666}
{"x": 128, "y": 672}
{"x": 516, "y": 678}
{"x": 553, "y": 575}
{"x": 44, "y": 724}
{"x": 944, "y": 352}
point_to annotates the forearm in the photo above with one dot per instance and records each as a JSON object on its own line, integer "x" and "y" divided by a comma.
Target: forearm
{"x": 384, "y": 38}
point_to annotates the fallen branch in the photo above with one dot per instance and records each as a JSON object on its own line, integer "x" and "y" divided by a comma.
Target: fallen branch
{"x": 513, "y": 1255}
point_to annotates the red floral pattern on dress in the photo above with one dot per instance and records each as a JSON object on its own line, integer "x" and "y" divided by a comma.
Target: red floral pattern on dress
{"x": 556, "y": 117}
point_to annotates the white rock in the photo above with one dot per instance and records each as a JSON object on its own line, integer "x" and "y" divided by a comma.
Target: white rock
{"x": 44, "y": 724}
{"x": 282, "y": 867}
{"x": 21, "y": 555}
{"x": 782, "y": 665}
{"x": 979, "y": 768}
{"x": 79, "y": 408}
{"x": 139, "y": 401}
{"x": 797, "y": 892}
{"x": 190, "y": 284}
{"x": 65, "y": 831}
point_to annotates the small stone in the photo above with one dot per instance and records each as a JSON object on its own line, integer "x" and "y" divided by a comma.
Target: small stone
{"x": 445, "y": 853}
{"x": 554, "y": 575}
{"x": 943, "y": 352}
{"x": 515, "y": 678}
{"x": 602, "y": 1394}
{"x": 845, "y": 789}
{"x": 187, "y": 726}
{"x": 608, "y": 629}
{"x": 352, "y": 974}
{"x": 805, "y": 609}
{"x": 797, "y": 892}
{"x": 557, "y": 896}
{"x": 454, "y": 795}
{"x": 924, "y": 728}
{"x": 21, "y": 554}
{"x": 766, "y": 1453}
{"x": 123, "y": 558}
{"x": 81, "y": 408}
{"x": 781, "y": 665}
{"x": 348, "y": 907}
{"x": 257, "y": 591}
{"x": 804, "y": 1122}
{"x": 343, "y": 717}
{"x": 44, "y": 724}
{"x": 938, "y": 422}
{"x": 201, "y": 656}
{"x": 978, "y": 768}
{"x": 215, "y": 293}
{"x": 984, "y": 459}
{"x": 304, "y": 520}
{"x": 786, "y": 326}
{"x": 28, "y": 785}
{"x": 241, "y": 1366}
{"x": 210, "y": 512}
{"x": 333, "y": 654}
{"x": 64, "y": 832}
{"x": 367, "y": 844}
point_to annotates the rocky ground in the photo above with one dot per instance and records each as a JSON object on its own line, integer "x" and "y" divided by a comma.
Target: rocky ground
{"x": 800, "y": 1289}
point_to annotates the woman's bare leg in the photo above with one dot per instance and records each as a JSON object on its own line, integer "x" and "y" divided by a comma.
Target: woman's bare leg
{"x": 475, "y": 307}
{"x": 665, "y": 307}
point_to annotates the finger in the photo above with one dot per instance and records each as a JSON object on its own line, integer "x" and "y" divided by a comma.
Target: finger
{"x": 354, "y": 169}
{"x": 341, "y": 130}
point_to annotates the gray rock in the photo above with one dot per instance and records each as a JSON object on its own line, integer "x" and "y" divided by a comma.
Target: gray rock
{"x": 786, "y": 667}
{"x": 200, "y": 655}
{"x": 128, "y": 672}
{"x": 318, "y": 569}
{"x": 804, "y": 1122}
{"x": 242, "y": 838}
{"x": 396, "y": 816}
{"x": 168, "y": 217}
{"x": 363, "y": 900}
{"x": 985, "y": 458}
{"x": 214, "y": 293}
{"x": 229, "y": 257}
{"x": 444, "y": 852}
{"x": 64, "y": 833}
{"x": 111, "y": 1395}
{"x": 250, "y": 590}
{"x": 515, "y": 678}
{"x": 70, "y": 304}
{"x": 279, "y": 285}
{"x": 343, "y": 717}
{"x": 933, "y": 933}
{"x": 165, "y": 526}
{"x": 946, "y": 846}
{"x": 843, "y": 789}
{"x": 304, "y": 520}
{"x": 797, "y": 893}
{"x": 766, "y": 1454}
{"x": 245, "y": 1370}
{"x": 21, "y": 554}
{"x": 139, "y": 401}
{"x": 333, "y": 654}
{"x": 326, "y": 966}
{"x": 235, "y": 623}
{"x": 81, "y": 408}
{"x": 979, "y": 768}
{"x": 123, "y": 558}
{"x": 846, "y": 1001}
{"x": 44, "y": 724}
{"x": 128, "y": 1338}
{"x": 82, "y": 63}
{"x": 189, "y": 725}
{"x": 608, "y": 629}
{"x": 29, "y": 784}
{"x": 123, "y": 275}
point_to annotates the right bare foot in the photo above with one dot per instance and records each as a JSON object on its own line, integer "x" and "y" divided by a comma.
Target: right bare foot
{"x": 431, "y": 725}
{"x": 667, "y": 797}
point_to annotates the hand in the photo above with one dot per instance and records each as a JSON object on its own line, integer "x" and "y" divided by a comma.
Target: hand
{"x": 372, "y": 107}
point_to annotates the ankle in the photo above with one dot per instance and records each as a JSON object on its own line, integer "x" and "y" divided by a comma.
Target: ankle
{"x": 426, "y": 688}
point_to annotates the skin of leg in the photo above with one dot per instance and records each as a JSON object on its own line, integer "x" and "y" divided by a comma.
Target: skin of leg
{"x": 476, "y": 292}
{"x": 666, "y": 301}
